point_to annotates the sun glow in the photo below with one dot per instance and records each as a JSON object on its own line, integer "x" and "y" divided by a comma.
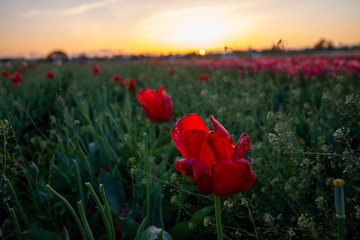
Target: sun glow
{"x": 202, "y": 52}
{"x": 191, "y": 28}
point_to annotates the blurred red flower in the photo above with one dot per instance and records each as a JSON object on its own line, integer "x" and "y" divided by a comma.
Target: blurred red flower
{"x": 5, "y": 73}
{"x": 95, "y": 69}
{"x": 21, "y": 69}
{"x": 123, "y": 82}
{"x": 50, "y": 75}
{"x": 16, "y": 79}
{"x": 156, "y": 61}
{"x": 212, "y": 160}
{"x": 204, "y": 77}
{"x": 132, "y": 84}
{"x": 157, "y": 104}
{"x": 33, "y": 65}
{"x": 171, "y": 71}
{"x": 116, "y": 78}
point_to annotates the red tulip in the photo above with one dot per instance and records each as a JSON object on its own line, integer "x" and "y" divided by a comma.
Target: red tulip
{"x": 123, "y": 82}
{"x": 116, "y": 78}
{"x": 5, "y": 73}
{"x": 204, "y": 77}
{"x": 16, "y": 79}
{"x": 212, "y": 160}
{"x": 50, "y": 75}
{"x": 132, "y": 84}
{"x": 157, "y": 105}
{"x": 21, "y": 69}
{"x": 95, "y": 69}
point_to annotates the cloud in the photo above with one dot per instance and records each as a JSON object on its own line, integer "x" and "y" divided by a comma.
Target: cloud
{"x": 71, "y": 11}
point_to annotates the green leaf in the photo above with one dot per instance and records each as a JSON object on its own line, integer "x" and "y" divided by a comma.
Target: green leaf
{"x": 66, "y": 234}
{"x": 181, "y": 230}
{"x": 114, "y": 190}
{"x": 199, "y": 216}
{"x": 127, "y": 224}
{"x": 154, "y": 233}
{"x": 40, "y": 234}
{"x": 156, "y": 216}
{"x": 141, "y": 229}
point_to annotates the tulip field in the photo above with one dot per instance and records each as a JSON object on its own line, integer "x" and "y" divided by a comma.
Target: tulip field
{"x": 201, "y": 148}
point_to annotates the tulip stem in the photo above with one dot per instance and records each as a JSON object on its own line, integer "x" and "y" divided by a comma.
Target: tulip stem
{"x": 148, "y": 178}
{"x": 218, "y": 217}
{"x": 158, "y": 137}
{"x": 340, "y": 207}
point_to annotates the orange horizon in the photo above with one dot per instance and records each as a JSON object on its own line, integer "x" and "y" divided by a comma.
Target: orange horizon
{"x": 155, "y": 51}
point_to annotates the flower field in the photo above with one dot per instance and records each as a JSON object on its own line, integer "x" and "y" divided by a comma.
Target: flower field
{"x": 233, "y": 148}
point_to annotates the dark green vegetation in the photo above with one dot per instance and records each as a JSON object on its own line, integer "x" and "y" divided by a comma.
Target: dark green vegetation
{"x": 59, "y": 132}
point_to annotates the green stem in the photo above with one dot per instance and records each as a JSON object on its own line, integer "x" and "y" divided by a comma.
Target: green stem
{"x": 78, "y": 180}
{"x": 218, "y": 217}
{"x": 340, "y": 207}
{"x": 84, "y": 220}
{"x": 17, "y": 226}
{"x": 180, "y": 199}
{"x": 31, "y": 189}
{"x": 17, "y": 203}
{"x": 5, "y": 151}
{"x": 86, "y": 163}
{"x": 101, "y": 209}
{"x": 158, "y": 138}
{"x": 350, "y": 149}
{"x": 72, "y": 211}
{"x": 148, "y": 178}
{"x": 251, "y": 218}
{"x": 107, "y": 209}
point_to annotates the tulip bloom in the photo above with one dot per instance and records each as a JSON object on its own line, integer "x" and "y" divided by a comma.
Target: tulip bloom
{"x": 5, "y": 73}
{"x": 123, "y": 82}
{"x": 16, "y": 79}
{"x": 157, "y": 105}
{"x": 212, "y": 160}
{"x": 204, "y": 77}
{"x": 132, "y": 84}
{"x": 95, "y": 69}
{"x": 21, "y": 69}
{"x": 116, "y": 78}
{"x": 50, "y": 75}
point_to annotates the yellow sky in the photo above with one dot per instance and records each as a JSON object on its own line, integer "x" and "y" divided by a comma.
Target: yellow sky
{"x": 34, "y": 28}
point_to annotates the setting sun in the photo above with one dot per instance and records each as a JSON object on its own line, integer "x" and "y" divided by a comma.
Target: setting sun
{"x": 202, "y": 52}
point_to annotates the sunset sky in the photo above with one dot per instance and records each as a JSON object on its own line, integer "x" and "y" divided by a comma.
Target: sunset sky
{"x": 34, "y": 28}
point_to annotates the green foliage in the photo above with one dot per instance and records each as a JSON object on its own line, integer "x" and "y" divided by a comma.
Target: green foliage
{"x": 40, "y": 234}
{"x": 304, "y": 133}
{"x": 154, "y": 233}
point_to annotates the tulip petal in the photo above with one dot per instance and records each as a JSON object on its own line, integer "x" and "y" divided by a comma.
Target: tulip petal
{"x": 165, "y": 110}
{"x": 231, "y": 177}
{"x": 220, "y": 142}
{"x": 189, "y": 134}
{"x": 250, "y": 179}
{"x": 198, "y": 172}
{"x": 242, "y": 146}
{"x": 157, "y": 105}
